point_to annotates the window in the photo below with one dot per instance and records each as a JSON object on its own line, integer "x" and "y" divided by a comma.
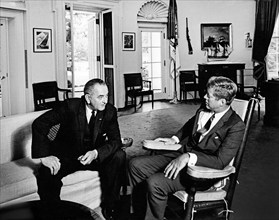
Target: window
{"x": 272, "y": 58}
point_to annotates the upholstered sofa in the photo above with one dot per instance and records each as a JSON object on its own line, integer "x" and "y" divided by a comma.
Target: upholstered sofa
{"x": 18, "y": 170}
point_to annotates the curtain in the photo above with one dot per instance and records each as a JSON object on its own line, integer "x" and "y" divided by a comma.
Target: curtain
{"x": 266, "y": 14}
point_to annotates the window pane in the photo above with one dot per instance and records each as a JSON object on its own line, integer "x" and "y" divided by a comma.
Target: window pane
{"x": 146, "y": 39}
{"x": 146, "y": 73}
{"x": 156, "y": 54}
{"x": 146, "y": 55}
{"x": 156, "y": 70}
{"x": 156, "y": 39}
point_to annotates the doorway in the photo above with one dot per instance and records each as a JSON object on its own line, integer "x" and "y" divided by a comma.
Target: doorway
{"x": 82, "y": 45}
{"x": 153, "y": 56}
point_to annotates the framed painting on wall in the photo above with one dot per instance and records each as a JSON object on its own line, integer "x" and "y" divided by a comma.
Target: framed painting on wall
{"x": 128, "y": 41}
{"x": 42, "y": 40}
{"x": 216, "y": 39}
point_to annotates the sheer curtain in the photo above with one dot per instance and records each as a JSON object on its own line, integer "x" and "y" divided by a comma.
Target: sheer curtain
{"x": 266, "y": 14}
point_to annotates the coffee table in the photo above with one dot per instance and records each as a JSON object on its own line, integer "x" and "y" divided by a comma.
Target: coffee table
{"x": 38, "y": 210}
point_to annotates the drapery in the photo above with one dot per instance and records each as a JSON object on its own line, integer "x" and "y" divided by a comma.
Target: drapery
{"x": 172, "y": 26}
{"x": 266, "y": 14}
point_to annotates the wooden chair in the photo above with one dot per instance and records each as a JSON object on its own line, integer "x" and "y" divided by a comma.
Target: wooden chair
{"x": 46, "y": 95}
{"x": 134, "y": 87}
{"x": 188, "y": 83}
{"x": 202, "y": 193}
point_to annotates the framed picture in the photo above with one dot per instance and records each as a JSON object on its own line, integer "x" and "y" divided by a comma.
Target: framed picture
{"x": 214, "y": 35}
{"x": 42, "y": 40}
{"x": 128, "y": 41}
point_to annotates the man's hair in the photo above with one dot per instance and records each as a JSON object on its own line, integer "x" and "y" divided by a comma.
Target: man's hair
{"x": 91, "y": 83}
{"x": 224, "y": 88}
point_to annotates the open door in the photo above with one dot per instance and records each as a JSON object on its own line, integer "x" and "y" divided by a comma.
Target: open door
{"x": 108, "y": 53}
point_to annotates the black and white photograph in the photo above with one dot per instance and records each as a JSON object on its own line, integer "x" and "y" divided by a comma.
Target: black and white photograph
{"x": 139, "y": 109}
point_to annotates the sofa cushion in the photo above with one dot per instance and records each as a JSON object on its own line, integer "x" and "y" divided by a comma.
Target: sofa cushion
{"x": 18, "y": 179}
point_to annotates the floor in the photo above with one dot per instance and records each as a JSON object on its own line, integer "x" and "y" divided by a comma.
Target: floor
{"x": 257, "y": 196}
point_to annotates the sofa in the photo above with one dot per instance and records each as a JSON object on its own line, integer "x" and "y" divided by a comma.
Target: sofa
{"x": 18, "y": 170}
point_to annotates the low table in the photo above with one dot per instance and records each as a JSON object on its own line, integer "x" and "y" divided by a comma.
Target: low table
{"x": 38, "y": 210}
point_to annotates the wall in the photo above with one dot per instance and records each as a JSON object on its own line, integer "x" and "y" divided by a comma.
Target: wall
{"x": 42, "y": 65}
{"x": 47, "y": 66}
{"x": 240, "y": 13}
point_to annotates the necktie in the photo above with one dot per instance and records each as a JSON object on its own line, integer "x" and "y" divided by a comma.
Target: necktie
{"x": 205, "y": 128}
{"x": 92, "y": 121}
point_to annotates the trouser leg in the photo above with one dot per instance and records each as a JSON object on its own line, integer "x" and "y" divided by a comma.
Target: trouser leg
{"x": 158, "y": 189}
{"x": 112, "y": 173}
{"x": 141, "y": 168}
{"x": 49, "y": 186}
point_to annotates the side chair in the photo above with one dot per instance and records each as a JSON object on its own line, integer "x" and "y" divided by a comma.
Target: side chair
{"x": 46, "y": 96}
{"x": 212, "y": 188}
{"x": 188, "y": 83}
{"x": 134, "y": 87}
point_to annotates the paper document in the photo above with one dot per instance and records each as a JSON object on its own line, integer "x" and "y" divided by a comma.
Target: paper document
{"x": 159, "y": 145}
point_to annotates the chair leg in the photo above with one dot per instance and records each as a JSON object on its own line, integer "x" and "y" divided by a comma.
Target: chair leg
{"x": 190, "y": 204}
{"x": 152, "y": 101}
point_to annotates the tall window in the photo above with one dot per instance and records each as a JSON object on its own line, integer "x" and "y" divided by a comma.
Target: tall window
{"x": 272, "y": 58}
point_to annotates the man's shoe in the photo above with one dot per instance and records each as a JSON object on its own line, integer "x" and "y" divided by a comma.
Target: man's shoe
{"x": 108, "y": 213}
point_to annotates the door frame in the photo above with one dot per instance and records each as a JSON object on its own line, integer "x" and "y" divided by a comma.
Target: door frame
{"x": 165, "y": 79}
{"x": 17, "y": 72}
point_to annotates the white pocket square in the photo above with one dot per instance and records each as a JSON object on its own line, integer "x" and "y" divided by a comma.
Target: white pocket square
{"x": 105, "y": 134}
{"x": 216, "y": 137}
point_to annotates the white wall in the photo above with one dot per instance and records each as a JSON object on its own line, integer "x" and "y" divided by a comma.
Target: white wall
{"x": 42, "y": 65}
{"x": 240, "y": 13}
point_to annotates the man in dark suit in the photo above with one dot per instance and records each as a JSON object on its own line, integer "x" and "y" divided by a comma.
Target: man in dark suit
{"x": 211, "y": 138}
{"x": 85, "y": 135}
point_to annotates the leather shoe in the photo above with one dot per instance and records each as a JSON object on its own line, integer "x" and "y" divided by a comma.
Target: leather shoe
{"x": 108, "y": 213}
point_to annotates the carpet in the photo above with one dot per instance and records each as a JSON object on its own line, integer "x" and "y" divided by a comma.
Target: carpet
{"x": 153, "y": 124}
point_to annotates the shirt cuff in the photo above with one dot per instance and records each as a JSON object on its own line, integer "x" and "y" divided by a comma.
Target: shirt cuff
{"x": 193, "y": 159}
{"x": 176, "y": 139}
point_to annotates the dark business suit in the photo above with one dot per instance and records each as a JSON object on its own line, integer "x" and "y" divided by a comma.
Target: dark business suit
{"x": 73, "y": 140}
{"x": 215, "y": 150}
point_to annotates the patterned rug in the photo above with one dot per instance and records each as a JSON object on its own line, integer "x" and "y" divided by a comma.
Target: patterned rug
{"x": 153, "y": 124}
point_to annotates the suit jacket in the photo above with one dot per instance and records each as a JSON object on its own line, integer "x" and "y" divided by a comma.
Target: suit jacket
{"x": 219, "y": 145}
{"x": 69, "y": 141}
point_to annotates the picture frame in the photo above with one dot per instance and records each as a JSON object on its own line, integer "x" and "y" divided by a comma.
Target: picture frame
{"x": 42, "y": 40}
{"x": 128, "y": 41}
{"x": 214, "y": 34}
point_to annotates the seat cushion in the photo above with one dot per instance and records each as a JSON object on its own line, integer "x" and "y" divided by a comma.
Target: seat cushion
{"x": 18, "y": 178}
{"x": 209, "y": 195}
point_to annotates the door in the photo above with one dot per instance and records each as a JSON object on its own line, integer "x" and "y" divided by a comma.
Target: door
{"x": 108, "y": 52}
{"x": 82, "y": 43}
{"x": 153, "y": 56}
{"x": 5, "y": 107}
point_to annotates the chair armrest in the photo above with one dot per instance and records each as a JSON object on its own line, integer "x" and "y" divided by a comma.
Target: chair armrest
{"x": 209, "y": 173}
{"x": 66, "y": 92}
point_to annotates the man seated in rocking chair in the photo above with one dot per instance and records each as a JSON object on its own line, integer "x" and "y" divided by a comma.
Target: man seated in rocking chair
{"x": 211, "y": 138}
